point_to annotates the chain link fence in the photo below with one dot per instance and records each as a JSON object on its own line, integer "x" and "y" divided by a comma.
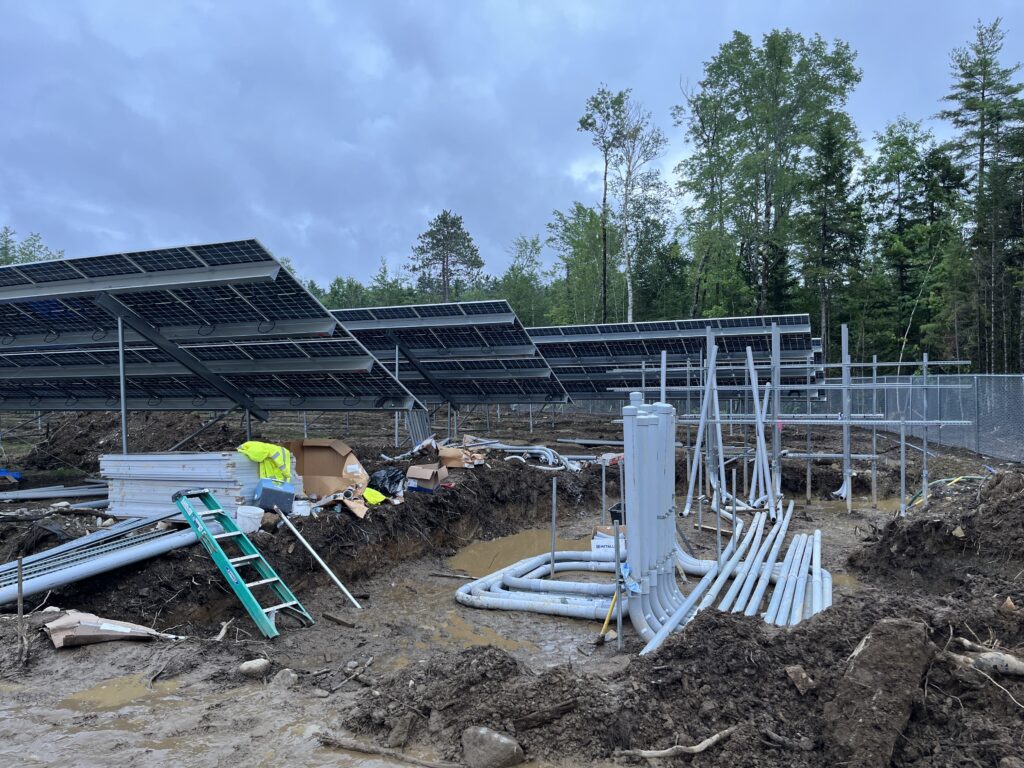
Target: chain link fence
{"x": 993, "y": 404}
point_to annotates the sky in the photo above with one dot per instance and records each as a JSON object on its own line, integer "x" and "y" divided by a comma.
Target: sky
{"x": 334, "y": 131}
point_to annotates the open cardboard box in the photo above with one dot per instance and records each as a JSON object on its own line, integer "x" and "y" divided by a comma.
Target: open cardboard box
{"x": 426, "y": 478}
{"x": 454, "y": 458}
{"x": 327, "y": 466}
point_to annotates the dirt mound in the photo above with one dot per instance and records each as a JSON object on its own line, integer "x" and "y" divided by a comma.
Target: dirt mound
{"x": 77, "y": 440}
{"x": 723, "y": 670}
{"x": 184, "y": 587}
{"x": 964, "y": 530}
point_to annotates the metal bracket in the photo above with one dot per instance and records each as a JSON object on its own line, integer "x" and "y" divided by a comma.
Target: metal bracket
{"x": 421, "y": 370}
{"x": 142, "y": 327}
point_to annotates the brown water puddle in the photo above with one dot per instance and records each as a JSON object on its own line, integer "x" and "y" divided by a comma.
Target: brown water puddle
{"x": 118, "y": 692}
{"x": 483, "y": 557}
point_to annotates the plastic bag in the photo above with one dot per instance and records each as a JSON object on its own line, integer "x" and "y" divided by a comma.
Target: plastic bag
{"x": 390, "y": 482}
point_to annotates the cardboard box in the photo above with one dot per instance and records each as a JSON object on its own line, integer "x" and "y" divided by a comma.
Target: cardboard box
{"x": 426, "y": 478}
{"x": 327, "y": 466}
{"x": 457, "y": 457}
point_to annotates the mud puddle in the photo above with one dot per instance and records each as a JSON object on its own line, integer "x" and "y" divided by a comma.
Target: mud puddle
{"x": 483, "y": 557}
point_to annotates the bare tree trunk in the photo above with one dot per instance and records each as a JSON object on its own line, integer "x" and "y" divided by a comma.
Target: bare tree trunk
{"x": 604, "y": 244}
{"x": 626, "y": 253}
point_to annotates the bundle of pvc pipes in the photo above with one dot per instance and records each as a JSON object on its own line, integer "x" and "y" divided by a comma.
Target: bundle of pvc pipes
{"x": 648, "y": 491}
{"x": 653, "y": 602}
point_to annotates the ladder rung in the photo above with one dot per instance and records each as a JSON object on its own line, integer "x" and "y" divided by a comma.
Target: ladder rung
{"x": 289, "y": 604}
{"x": 261, "y": 582}
{"x": 243, "y": 559}
{"x": 227, "y": 534}
{"x": 210, "y": 512}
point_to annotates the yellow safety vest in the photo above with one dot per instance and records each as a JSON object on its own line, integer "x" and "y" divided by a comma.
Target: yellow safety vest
{"x": 275, "y": 460}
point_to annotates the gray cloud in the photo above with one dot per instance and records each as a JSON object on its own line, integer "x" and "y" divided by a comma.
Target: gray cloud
{"x": 334, "y": 131}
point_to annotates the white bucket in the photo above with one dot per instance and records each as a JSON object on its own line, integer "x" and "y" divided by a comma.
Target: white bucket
{"x": 248, "y": 518}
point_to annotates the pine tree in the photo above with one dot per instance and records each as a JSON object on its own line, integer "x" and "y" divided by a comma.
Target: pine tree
{"x": 987, "y": 108}
{"x": 445, "y": 256}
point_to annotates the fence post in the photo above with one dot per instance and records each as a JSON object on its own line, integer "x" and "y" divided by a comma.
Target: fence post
{"x": 977, "y": 416}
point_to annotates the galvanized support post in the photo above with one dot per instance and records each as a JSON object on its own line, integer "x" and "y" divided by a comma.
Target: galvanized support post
{"x": 554, "y": 522}
{"x": 530, "y": 412}
{"x": 924, "y": 445}
{"x": 776, "y": 477}
{"x": 874, "y": 432}
{"x": 604, "y": 489}
{"x": 977, "y": 417}
{"x": 643, "y": 378}
{"x": 746, "y": 442}
{"x": 305, "y": 426}
{"x": 664, "y": 376}
{"x": 396, "y": 412}
{"x": 618, "y": 582}
{"x": 903, "y": 465}
{"x": 807, "y": 480}
{"x": 248, "y": 425}
{"x": 122, "y": 381}
{"x": 487, "y": 417}
{"x": 847, "y": 415}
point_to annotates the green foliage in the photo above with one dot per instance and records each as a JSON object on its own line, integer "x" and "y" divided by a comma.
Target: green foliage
{"x": 26, "y": 251}
{"x": 445, "y": 260}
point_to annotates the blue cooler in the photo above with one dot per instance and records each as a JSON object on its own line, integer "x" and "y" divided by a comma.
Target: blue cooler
{"x": 272, "y": 493}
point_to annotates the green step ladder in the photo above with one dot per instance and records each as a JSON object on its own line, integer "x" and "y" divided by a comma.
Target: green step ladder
{"x": 249, "y": 561}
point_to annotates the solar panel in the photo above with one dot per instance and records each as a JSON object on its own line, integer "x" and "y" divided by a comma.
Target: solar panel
{"x": 230, "y": 305}
{"x": 460, "y": 352}
{"x": 599, "y": 361}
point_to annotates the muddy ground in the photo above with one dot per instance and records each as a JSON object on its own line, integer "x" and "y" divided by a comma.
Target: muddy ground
{"x": 438, "y": 667}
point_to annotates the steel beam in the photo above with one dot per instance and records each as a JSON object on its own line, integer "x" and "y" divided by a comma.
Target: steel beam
{"x": 220, "y": 367}
{"x": 118, "y": 310}
{"x": 447, "y": 321}
{"x": 202, "y": 277}
{"x": 340, "y": 403}
{"x": 456, "y": 353}
{"x": 190, "y": 333}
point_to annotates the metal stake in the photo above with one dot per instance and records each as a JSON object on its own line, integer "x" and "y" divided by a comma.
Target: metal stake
{"x": 604, "y": 497}
{"x": 903, "y": 466}
{"x": 554, "y": 522}
{"x": 122, "y": 380}
{"x": 874, "y": 433}
{"x": 396, "y": 412}
{"x": 924, "y": 438}
{"x": 847, "y": 415}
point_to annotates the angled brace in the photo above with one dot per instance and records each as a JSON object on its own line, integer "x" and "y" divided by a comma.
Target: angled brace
{"x": 142, "y": 327}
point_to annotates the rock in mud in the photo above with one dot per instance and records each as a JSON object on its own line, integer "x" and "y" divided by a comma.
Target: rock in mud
{"x": 286, "y": 678}
{"x": 400, "y": 732}
{"x": 255, "y": 668}
{"x": 874, "y": 698}
{"x": 484, "y": 748}
{"x": 799, "y": 677}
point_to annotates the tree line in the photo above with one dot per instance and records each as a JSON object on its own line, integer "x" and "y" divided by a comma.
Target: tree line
{"x": 780, "y": 205}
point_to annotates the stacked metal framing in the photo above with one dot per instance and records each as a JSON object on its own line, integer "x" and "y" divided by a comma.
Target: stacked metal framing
{"x": 205, "y": 327}
{"x": 606, "y": 361}
{"x": 472, "y": 352}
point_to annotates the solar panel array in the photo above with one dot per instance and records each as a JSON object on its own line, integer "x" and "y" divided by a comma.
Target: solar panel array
{"x": 601, "y": 361}
{"x": 230, "y": 305}
{"x": 460, "y": 352}
{"x": 250, "y": 322}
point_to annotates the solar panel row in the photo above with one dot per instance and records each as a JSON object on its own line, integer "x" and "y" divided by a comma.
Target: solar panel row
{"x": 229, "y": 305}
